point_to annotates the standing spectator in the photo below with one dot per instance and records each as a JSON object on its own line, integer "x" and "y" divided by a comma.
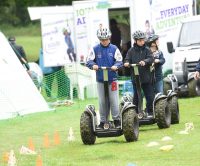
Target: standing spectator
{"x": 63, "y": 83}
{"x": 125, "y": 38}
{"x": 125, "y": 46}
{"x": 49, "y": 73}
{"x": 197, "y": 73}
{"x": 19, "y": 51}
{"x": 106, "y": 54}
{"x": 116, "y": 33}
{"x": 159, "y": 60}
{"x": 140, "y": 54}
{"x": 70, "y": 49}
{"x": 32, "y": 68}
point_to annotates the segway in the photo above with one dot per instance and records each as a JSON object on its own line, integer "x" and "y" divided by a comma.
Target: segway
{"x": 186, "y": 86}
{"x": 172, "y": 98}
{"x": 161, "y": 113}
{"x": 173, "y": 106}
{"x": 128, "y": 116}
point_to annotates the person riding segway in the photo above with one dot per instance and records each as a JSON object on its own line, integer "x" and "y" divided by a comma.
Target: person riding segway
{"x": 159, "y": 60}
{"x": 105, "y": 59}
{"x": 139, "y": 60}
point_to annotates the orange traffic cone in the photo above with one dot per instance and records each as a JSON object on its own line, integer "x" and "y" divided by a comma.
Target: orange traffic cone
{"x": 39, "y": 161}
{"x": 31, "y": 145}
{"x": 5, "y": 157}
{"x": 56, "y": 138}
{"x": 46, "y": 141}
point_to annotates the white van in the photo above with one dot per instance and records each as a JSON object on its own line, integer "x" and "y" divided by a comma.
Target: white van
{"x": 186, "y": 55}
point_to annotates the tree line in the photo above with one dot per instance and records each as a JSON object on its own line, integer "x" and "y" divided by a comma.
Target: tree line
{"x": 15, "y": 12}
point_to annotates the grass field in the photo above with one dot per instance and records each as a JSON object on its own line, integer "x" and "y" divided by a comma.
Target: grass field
{"x": 107, "y": 151}
{"x": 113, "y": 151}
{"x": 31, "y": 46}
{"x": 29, "y": 37}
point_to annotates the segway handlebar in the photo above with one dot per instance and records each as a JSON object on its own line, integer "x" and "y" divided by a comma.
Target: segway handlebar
{"x": 104, "y": 68}
{"x": 134, "y": 64}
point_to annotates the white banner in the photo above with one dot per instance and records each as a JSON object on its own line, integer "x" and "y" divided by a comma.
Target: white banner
{"x": 88, "y": 15}
{"x": 58, "y": 39}
{"x": 166, "y": 19}
{"x": 162, "y": 18}
{"x": 167, "y": 16}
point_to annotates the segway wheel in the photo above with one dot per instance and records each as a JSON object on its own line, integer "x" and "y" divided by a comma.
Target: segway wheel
{"x": 174, "y": 108}
{"x": 162, "y": 114}
{"x": 167, "y": 87}
{"x": 194, "y": 88}
{"x": 130, "y": 125}
{"x": 86, "y": 129}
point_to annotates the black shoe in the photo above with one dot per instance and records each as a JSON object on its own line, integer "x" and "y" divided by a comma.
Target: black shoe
{"x": 100, "y": 126}
{"x": 117, "y": 124}
{"x": 150, "y": 114}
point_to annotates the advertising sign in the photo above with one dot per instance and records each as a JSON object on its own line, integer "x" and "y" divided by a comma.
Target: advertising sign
{"x": 58, "y": 39}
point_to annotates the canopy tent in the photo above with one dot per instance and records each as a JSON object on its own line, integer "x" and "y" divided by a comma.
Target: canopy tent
{"x": 18, "y": 93}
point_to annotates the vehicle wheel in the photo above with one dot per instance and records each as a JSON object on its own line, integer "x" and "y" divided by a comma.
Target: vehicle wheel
{"x": 86, "y": 129}
{"x": 162, "y": 114}
{"x": 198, "y": 88}
{"x": 174, "y": 108}
{"x": 166, "y": 86}
{"x": 194, "y": 87}
{"x": 130, "y": 125}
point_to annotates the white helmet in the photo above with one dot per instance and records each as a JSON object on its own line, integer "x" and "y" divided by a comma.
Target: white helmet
{"x": 103, "y": 33}
{"x": 139, "y": 35}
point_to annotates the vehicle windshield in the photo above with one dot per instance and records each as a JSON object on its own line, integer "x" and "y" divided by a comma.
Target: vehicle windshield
{"x": 190, "y": 34}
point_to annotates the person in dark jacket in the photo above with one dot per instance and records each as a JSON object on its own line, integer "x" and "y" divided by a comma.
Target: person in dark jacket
{"x": 106, "y": 54}
{"x": 116, "y": 33}
{"x": 19, "y": 51}
{"x": 140, "y": 54}
{"x": 159, "y": 60}
{"x": 197, "y": 73}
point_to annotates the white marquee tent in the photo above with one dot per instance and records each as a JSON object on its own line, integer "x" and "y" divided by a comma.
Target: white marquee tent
{"x": 18, "y": 93}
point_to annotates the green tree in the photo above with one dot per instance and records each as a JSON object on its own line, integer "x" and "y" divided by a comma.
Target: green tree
{"x": 14, "y": 12}
{"x": 7, "y": 12}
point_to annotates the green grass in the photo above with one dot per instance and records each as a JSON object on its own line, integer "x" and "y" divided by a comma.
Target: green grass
{"x": 29, "y": 37}
{"x": 31, "y": 46}
{"x": 113, "y": 151}
{"x": 107, "y": 151}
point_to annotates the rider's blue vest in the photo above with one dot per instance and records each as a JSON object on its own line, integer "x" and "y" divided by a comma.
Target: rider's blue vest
{"x": 105, "y": 57}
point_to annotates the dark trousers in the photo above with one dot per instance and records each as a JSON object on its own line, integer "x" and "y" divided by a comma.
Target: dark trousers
{"x": 71, "y": 54}
{"x": 148, "y": 91}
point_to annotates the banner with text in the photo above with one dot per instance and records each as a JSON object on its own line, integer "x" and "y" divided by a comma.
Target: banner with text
{"x": 58, "y": 39}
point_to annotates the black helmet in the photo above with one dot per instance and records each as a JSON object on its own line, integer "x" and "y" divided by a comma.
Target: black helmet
{"x": 139, "y": 35}
{"x": 153, "y": 38}
{"x": 11, "y": 39}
